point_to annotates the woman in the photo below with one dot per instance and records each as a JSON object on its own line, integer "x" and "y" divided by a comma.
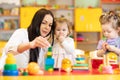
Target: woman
{"x": 30, "y": 45}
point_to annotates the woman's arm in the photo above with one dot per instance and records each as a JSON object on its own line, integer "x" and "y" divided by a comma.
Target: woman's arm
{"x": 113, "y": 49}
{"x": 18, "y": 37}
{"x": 23, "y": 47}
{"x": 37, "y": 42}
{"x": 19, "y": 42}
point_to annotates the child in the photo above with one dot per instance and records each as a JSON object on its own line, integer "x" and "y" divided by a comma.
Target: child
{"x": 110, "y": 27}
{"x": 63, "y": 46}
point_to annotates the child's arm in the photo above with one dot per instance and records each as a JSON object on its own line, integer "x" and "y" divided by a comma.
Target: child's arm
{"x": 100, "y": 52}
{"x": 68, "y": 45}
{"x": 113, "y": 48}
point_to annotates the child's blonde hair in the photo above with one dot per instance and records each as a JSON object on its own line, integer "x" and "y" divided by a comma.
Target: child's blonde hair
{"x": 61, "y": 20}
{"x": 110, "y": 17}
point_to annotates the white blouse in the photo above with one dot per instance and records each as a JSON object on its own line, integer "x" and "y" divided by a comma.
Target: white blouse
{"x": 63, "y": 50}
{"x": 22, "y": 59}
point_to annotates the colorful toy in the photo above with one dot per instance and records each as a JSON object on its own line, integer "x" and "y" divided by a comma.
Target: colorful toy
{"x": 80, "y": 64}
{"x": 96, "y": 62}
{"x": 106, "y": 67}
{"x": 34, "y": 69}
{"x": 66, "y": 65}
{"x": 21, "y": 70}
{"x": 112, "y": 59}
{"x": 80, "y": 37}
{"x": 25, "y": 72}
{"x": 100, "y": 69}
{"x": 49, "y": 61}
{"x": 117, "y": 71}
{"x": 10, "y": 68}
{"x": 110, "y": 63}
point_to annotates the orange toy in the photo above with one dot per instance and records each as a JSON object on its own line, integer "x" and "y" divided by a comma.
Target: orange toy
{"x": 117, "y": 71}
{"x": 66, "y": 65}
{"x": 34, "y": 69}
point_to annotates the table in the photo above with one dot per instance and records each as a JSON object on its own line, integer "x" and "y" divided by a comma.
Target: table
{"x": 64, "y": 77}
{"x": 82, "y": 75}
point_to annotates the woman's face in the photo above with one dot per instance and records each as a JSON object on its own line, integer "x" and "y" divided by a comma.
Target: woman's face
{"x": 46, "y": 25}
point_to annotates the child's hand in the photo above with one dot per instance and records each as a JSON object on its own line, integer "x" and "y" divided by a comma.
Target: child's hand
{"x": 61, "y": 38}
{"x": 111, "y": 47}
{"x": 104, "y": 46}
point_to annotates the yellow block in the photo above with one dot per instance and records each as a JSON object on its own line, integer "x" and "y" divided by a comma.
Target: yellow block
{"x": 112, "y": 58}
{"x": 10, "y": 59}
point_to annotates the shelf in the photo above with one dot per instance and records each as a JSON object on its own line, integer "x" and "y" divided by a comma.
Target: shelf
{"x": 6, "y": 17}
{"x": 5, "y": 34}
{"x": 87, "y": 47}
{"x": 108, "y": 5}
{"x": 9, "y": 20}
{"x": 111, "y": 2}
{"x": 61, "y": 9}
{"x": 9, "y": 15}
{"x": 87, "y": 42}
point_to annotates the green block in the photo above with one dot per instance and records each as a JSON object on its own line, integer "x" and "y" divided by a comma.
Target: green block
{"x": 47, "y": 67}
{"x": 10, "y": 67}
{"x": 80, "y": 64}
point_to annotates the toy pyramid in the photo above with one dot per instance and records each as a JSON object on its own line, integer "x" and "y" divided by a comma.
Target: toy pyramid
{"x": 49, "y": 61}
{"x": 80, "y": 64}
{"x": 10, "y": 67}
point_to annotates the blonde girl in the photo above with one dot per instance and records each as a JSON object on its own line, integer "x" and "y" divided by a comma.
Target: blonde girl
{"x": 64, "y": 45}
{"x": 110, "y": 23}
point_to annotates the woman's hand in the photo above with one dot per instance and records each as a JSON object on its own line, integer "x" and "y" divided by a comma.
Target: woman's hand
{"x": 39, "y": 42}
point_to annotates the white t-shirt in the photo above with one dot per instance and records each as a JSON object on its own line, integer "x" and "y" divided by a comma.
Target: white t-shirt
{"x": 22, "y": 59}
{"x": 64, "y": 50}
